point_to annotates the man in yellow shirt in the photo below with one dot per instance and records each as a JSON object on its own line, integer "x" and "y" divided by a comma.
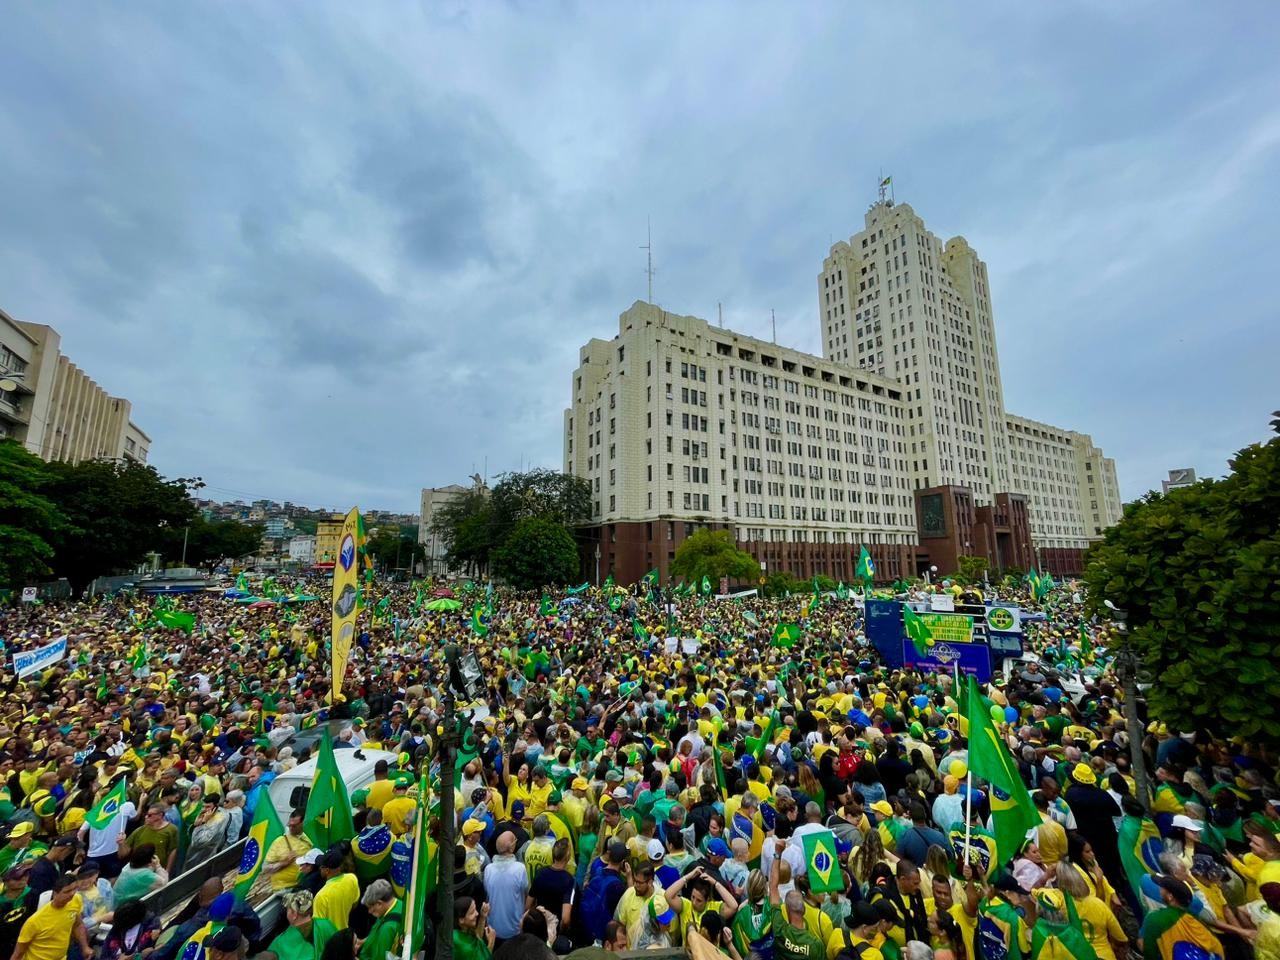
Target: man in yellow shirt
{"x": 382, "y": 788}
{"x": 861, "y": 926}
{"x": 47, "y": 933}
{"x": 1051, "y": 838}
{"x": 339, "y": 893}
{"x": 397, "y": 810}
{"x": 281, "y": 863}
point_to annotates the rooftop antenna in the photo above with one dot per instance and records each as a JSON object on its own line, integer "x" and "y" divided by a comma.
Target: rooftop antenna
{"x": 648, "y": 249}
{"x": 720, "y": 313}
{"x": 774, "y": 320}
{"x": 886, "y": 188}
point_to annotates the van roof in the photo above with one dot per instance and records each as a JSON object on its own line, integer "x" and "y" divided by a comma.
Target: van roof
{"x": 350, "y": 762}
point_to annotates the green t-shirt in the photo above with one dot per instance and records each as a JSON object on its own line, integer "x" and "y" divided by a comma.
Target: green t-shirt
{"x": 385, "y": 935}
{"x": 292, "y": 945}
{"x": 794, "y": 943}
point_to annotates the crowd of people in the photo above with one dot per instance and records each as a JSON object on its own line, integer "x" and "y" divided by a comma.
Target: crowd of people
{"x": 633, "y": 776}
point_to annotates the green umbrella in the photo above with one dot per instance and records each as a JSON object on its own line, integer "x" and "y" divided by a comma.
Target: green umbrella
{"x": 444, "y": 603}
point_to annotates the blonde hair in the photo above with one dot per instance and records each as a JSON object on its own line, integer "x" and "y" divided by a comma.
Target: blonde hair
{"x": 1067, "y": 878}
{"x": 757, "y": 886}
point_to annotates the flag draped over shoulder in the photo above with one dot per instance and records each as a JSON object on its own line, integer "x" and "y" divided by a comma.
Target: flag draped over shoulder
{"x": 106, "y": 809}
{"x": 1174, "y": 934}
{"x": 820, "y": 858}
{"x": 1012, "y": 811}
{"x": 328, "y": 817}
{"x": 917, "y": 630}
{"x": 262, "y": 833}
{"x": 982, "y": 848}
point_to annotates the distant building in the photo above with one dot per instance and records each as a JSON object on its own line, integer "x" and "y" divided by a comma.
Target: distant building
{"x": 302, "y": 549}
{"x": 326, "y": 545}
{"x": 54, "y": 409}
{"x": 1182, "y": 477}
{"x": 433, "y": 498}
{"x": 274, "y": 528}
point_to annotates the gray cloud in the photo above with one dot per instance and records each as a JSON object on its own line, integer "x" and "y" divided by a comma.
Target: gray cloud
{"x": 334, "y": 258}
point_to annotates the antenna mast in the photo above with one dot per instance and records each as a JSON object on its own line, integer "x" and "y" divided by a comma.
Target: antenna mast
{"x": 720, "y": 314}
{"x": 648, "y": 249}
{"x": 774, "y": 320}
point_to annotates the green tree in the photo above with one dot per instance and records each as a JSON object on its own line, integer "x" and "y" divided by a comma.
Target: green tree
{"x": 28, "y": 518}
{"x": 779, "y": 583}
{"x": 712, "y": 553}
{"x": 1195, "y": 572}
{"x": 971, "y": 569}
{"x": 464, "y": 525}
{"x": 559, "y": 497}
{"x": 538, "y": 553}
{"x": 209, "y": 542}
{"x": 393, "y": 549}
{"x": 116, "y": 512}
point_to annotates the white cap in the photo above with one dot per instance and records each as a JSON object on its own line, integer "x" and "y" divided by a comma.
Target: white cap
{"x": 620, "y": 793}
{"x": 655, "y": 848}
{"x": 311, "y": 857}
{"x": 1186, "y": 823}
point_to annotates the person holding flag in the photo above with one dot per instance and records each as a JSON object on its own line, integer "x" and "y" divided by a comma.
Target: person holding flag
{"x": 105, "y": 825}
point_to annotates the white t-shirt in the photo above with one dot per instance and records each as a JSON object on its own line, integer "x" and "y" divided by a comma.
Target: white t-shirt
{"x": 102, "y": 842}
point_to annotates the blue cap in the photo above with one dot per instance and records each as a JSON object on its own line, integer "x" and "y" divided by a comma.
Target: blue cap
{"x": 843, "y": 846}
{"x": 517, "y": 810}
{"x": 221, "y": 907}
{"x": 717, "y": 847}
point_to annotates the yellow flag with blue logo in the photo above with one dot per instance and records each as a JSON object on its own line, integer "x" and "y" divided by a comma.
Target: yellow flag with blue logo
{"x": 345, "y": 599}
{"x": 820, "y": 858}
{"x": 262, "y": 833}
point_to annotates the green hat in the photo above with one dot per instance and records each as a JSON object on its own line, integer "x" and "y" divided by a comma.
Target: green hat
{"x": 46, "y": 806}
{"x": 359, "y": 797}
{"x": 207, "y": 721}
{"x": 555, "y": 797}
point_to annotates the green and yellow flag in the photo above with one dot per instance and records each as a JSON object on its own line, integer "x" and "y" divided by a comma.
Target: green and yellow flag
{"x": 328, "y": 817}
{"x": 917, "y": 630}
{"x": 345, "y": 600}
{"x": 1012, "y": 811}
{"x": 106, "y": 809}
{"x": 1174, "y": 934}
{"x": 546, "y": 608}
{"x": 820, "y": 858}
{"x": 262, "y": 833}
{"x": 866, "y": 569}
{"x": 785, "y": 635}
{"x": 477, "y": 621}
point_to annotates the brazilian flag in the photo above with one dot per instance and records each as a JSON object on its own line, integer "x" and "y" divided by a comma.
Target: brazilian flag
{"x": 982, "y": 848}
{"x": 372, "y": 852}
{"x": 477, "y": 622}
{"x": 917, "y": 631}
{"x": 1140, "y": 848}
{"x": 547, "y": 608}
{"x": 1174, "y": 934}
{"x": 820, "y": 858}
{"x": 262, "y": 833}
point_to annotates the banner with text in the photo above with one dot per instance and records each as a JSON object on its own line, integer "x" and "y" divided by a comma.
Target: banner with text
{"x": 33, "y": 661}
{"x": 949, "y": 627}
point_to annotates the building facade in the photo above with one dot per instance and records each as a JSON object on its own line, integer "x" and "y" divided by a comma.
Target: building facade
{"x": 55, "y": 409}
{"x": 433, "y": 498}
{"x": 896, "y": 439}
{"x": 326, "y": 545}
{"x": 1179, "y": 478}
{"x": 302, "y": 549}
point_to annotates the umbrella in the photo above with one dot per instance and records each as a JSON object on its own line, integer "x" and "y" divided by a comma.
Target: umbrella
{"x": 443, "y": 592}
{"x": 570, "y": 601}
{"x": 444, "y": 603}
{"x": 258, "y": 605}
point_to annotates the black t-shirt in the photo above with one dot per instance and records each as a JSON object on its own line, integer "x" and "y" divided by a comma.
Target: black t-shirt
{"x": 552, "y": 889}
{"x": 13, "y": 914}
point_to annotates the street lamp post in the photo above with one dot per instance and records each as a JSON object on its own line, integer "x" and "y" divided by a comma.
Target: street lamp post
{"x": 1127, "y": 671}
{"x": 597, "y": 564}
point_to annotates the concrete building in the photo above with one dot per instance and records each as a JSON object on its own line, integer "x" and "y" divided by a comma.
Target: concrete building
{"x": 302, "y": 549}
{"x": 55, "y": 409}
{"x": 326, "y": 546}
{"x": 1182, "y": 477}
{"x": 433, "y": 498}
{"x": 274, "y": 527}
{"x": 897, "y": 439}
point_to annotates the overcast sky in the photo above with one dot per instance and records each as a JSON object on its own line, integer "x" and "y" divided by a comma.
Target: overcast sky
{"x": 334, "y": 253}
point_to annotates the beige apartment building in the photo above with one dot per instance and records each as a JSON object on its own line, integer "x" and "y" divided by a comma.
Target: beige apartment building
{"x": 56, "y": 410}
{"x": 896, "y": 439}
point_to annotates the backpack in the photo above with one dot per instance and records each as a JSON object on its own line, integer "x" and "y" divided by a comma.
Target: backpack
{"x": 851, "y": 950}
{"x": 594, "y": 906}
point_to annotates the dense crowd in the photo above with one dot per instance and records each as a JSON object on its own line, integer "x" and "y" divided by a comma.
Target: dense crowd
{"x": 637, "y": 775}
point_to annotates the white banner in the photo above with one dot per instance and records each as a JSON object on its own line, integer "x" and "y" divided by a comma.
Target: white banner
{"x": 29, "y": 594}
{"x": 942, "y": 603}
{"x": 32, "y": 661}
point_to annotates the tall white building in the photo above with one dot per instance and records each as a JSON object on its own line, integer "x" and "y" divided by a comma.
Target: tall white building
{"x": 678, "y": 424}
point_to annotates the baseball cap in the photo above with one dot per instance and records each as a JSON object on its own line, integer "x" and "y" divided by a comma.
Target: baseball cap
{"x": 1007, "y": 883}
{"x": 1181, "y": 892}
{"x": 620, "y": 793}
{"x": 617, "y": 851}
{"x": 717, "y": 848}
{"x": 21, "y": 829}
{"x": 311, "y": 857}
{"x": 227, "y": 939}
{"x": 580, "y": 783}
{"x": 1186, "y": 823}
{"x": 66, "y": 840}
{"x": 862, "y": 914}
{"x": 221, "y": 908}
{"x": 883, "y": 808}
{"x": 517, "y": 810}
{"x": 472, "y": 826}
{"x": 655, "y": 849}
{"x": 663, "y": 914}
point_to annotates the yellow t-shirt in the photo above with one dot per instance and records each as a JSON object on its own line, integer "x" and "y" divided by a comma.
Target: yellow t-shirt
{"x": 1051, "y": 838}
{"x": 687, "y": 916}
{"x": 47, "y": 932}
{"x": 537, "y": 802}
{"x": 841, "y": 938}
{"x": 1100, "y": 926}
{"x": 286, "y": 849}
{"x": 380, "y": 791}
{"x": 817, "y": 922}
{"x": 396, "y": 812}
{"x": 968, "y": 925}
{"x": 336, "y": 898}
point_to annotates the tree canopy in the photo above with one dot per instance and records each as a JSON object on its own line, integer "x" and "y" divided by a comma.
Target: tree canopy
{"x": 28, "y": 518}
{"x": 1195, "y": 571}
{"x": 713, "y": 554}
{"x": 210, "y": 542}
{"x": 539, "y": 552}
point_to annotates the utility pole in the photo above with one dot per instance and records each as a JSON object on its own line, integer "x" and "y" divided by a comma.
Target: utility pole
{"x": 1127, "y": 671}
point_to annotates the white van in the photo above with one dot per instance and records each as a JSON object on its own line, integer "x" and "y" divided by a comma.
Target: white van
{"x": 290, "y": 790}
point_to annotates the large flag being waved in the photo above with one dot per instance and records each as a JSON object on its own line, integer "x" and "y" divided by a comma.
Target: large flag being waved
{"x": 106, "y": 809}
{"x": 425, "y": 875}
{"x": 477, "y": 621}
{"x": 346, "y": 599}
{"x": 982, "y": 849}
{"x": 917, "y": 630}
{"x": 820, "y": 859}
{"x": 1140, "y": 849}
{"x": 328, "y": 817}
{"x": 866, "y": 569}
{"x": 785, "y": 635}
{"x": 1012, "y": 811}
{"x": 262, "y": 833}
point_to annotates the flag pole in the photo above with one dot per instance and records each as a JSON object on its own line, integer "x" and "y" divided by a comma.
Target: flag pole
{"x": 968, "y": 811}
{"x": 418, "y": 844}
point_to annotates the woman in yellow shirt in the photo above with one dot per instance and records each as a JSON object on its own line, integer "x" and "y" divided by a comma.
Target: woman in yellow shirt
{"x": 1097, "y": 921}
{"x": 518, "y": 787}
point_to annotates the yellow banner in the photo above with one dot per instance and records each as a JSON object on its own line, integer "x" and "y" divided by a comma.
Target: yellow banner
{"x": 346, "y": 577}
{"x": 949, "y": 627}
